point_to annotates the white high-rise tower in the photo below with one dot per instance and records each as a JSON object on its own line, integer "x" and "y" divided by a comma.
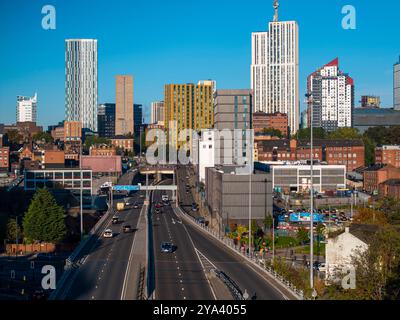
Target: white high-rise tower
{"x": 27, "y": 109}
{"x": 275, "y": 69}
{"x": 81, "y": 82}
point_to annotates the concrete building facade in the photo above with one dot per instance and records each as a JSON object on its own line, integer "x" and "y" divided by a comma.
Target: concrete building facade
{"x": 275, "y": 70}
{"x": 27, "y": 109}
{"x": 124, "y": 113}
{"x": 227, "y": 195}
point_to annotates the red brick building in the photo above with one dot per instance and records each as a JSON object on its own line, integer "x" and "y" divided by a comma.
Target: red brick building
{"x": 390, "y": 188}
{"x": 278, "y": 121}
{"x": 4, "y": 158}
{"x": 102, "y": 150}
{"x": 334, "y": 152}
{"x": 348, "y": 152}
{"x": 377, "y": 174}
{"x": 124, "y": 143}
{"x": 388, "y": 154}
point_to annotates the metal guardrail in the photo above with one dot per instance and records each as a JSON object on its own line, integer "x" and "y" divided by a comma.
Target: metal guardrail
{"x": 232, "y": 286}
{"x": 289, "y": 286}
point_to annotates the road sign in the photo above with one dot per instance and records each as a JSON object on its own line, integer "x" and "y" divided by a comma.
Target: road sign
{"x": 146, "y": 202}
{"x": 126, "y": 188}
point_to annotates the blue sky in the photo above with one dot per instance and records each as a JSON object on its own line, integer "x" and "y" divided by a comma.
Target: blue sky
{"x": 181, "y": 41}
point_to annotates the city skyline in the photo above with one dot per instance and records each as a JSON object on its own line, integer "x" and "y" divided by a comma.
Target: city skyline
{"x": 229, "y": 45}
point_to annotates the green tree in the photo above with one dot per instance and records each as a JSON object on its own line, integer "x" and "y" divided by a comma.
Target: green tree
{"x": 305, "y": 133}
{"x": 302, "y": 235}
{"x": 273, "y": 132}
{"x": 369, "y": 147}
{"x": 44, "y": 220}
{"x": 13, "y": 230}
{"x": 43, "y": 136}
{"x": 13, "y": 136}
{"x": 391, "y": 208}
{"x": 345, "y": 133}
{"x": 268, "y": 221}
{"x": 92, "y": 140}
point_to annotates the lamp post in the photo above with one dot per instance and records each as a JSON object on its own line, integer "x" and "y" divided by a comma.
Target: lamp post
{"x": 309, "y": 97}
{"x": 81, "y": 187}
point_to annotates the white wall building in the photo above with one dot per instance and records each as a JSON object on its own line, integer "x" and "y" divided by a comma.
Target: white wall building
{"x": 157, "y": 112}
{"x": 275, "y": 70}
{"x": 81, "y": 82}
{"x": 298, "y": 177}
{"x": 333, "y": 97}
{"x": 27, "y": 109}
{"x": 396, "y": 86}
{"x": 206, "y": 152}
{"x": 340, "y": 250}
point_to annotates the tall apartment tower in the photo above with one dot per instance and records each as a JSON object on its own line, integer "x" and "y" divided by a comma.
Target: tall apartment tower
{"x": 157, "y": 112}
{"x": 188, "y": 106}
{"x": 332, "y": 97}
{"x": 81, "y": 82}
{"x": 396, "y": 86}
{"x": 27, "y": 109}
{"x": 124, "y": 113}
{"x": 275, "y": 69}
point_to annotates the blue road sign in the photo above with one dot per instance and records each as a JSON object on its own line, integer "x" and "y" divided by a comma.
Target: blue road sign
{"x": 126, "y": 188}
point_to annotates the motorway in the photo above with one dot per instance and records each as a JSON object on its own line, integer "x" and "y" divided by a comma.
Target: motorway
{"x": 102, "y": 275}
{"x": 178, "y": 275}
{"x": 236, "y": 267}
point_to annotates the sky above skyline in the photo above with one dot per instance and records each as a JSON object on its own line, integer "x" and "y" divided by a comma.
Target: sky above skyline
{"x": 160, "y": 42}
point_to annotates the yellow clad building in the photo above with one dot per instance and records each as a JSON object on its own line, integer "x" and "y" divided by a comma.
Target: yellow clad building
{"x": 188, "y": 106}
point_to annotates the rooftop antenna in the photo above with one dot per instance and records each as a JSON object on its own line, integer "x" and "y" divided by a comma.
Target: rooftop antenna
{"x": 276, "y": 7}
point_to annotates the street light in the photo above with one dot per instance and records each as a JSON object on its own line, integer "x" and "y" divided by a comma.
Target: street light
{"x": 309, "y": 97}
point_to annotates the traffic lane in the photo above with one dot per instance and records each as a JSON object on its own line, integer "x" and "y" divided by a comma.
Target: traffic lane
{"x": 194, "y": 281}
{"x": 179, "y": 275}
{"x": 114, "y": 267}
{"x": 235, "y": 267}
{"x": 166, "y": 270}
{"x": 90, "y": 273}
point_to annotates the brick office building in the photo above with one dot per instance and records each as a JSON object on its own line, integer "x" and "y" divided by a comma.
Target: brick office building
{"x": 333, "y": 152}
{"x": 377, "y": 174}
{"x": 4, "y": 159}
{"x": 388, "y": 154}
{"x": 278, "y": 121}
{"x": 390, "y": 188}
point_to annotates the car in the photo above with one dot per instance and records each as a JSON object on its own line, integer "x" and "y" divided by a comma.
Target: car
{"x": 167, "y": 247}
{"x": 108, "y": 233}
{"x": 127, "y": 228}
{"x": 135, "y": 206}
{"x": 115, "y": 219}
{"x": 201, "y": 220}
